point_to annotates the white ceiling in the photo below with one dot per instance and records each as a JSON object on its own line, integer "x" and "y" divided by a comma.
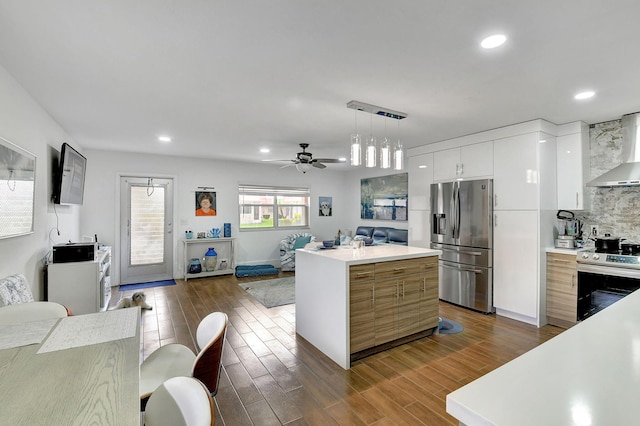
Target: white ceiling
{"x": 226, "y": 78}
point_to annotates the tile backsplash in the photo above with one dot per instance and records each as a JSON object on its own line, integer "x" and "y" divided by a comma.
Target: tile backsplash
{"x": 613, "y": 210}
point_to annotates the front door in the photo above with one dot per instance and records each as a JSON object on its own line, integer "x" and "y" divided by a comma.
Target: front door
{"x": 146, "y": 229}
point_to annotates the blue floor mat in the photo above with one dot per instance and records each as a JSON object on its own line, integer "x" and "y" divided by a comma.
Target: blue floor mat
{"x": 138, "y": 286}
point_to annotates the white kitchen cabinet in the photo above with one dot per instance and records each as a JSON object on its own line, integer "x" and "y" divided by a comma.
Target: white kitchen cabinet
{"x": 466, "y": 162}
{"x": 82, "y": 287}
{"x": 516, "y": 264}
{"x": 420, "y": 180}
{"x": 419, "y": 230}
{"x": 573, "y": 170}
{"x": 515, "y": 172}
{"x": 196, "y": 249}
{"x": 420, "y": 168}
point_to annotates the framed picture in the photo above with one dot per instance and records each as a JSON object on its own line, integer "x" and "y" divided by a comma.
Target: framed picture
{"x": 326, "y": 206}
{"x": 384, "y": 197}
{"x": 205, "y": 203}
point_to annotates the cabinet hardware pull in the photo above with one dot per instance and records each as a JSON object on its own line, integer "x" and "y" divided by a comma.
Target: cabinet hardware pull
{"x": 402, "y": 290}
{"x": 495, "y": 200}
{"x": 461, "y": 169}
{"x": 475, "y": 271}
{"x": 573, "y": 280}
{"x": 424, "y": 285}
{"x": 577, "y": 201}
{"x": 471, "y": 253}
{"x": 399, "y": 269}
{"x": 373, "y": 297}
{"x": 362, "y": 273}
{"x": 495, "y": 221}
{"x": 560, "y": 260}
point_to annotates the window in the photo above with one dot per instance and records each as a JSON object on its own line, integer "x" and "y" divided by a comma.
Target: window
{"x": 272, "y": 207}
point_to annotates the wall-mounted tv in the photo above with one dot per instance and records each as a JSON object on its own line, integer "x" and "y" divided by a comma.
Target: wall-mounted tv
{"x": 69, "y": 179}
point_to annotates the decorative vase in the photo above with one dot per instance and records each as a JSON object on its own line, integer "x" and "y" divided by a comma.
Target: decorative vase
{"x": 195, "y": 267}
{"x": 210, "y": 259}
{"x": 227, "y": 230}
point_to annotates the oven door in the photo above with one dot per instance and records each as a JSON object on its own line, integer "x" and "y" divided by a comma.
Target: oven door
{"x": 601, "y": 286}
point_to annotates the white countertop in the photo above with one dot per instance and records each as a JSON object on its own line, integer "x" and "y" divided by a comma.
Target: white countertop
{"x": 368, "y": 254}
{"x": 588, "y": 375}
{"x": 573, "y": 251}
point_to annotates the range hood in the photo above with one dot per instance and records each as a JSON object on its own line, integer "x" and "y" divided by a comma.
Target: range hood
{"x": 627, "y": 173}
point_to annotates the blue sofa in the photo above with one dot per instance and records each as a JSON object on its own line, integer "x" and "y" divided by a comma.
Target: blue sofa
{"x": 383, "y": 234}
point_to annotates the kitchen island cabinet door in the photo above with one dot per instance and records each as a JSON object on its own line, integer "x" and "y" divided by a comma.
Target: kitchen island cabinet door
{"x": 386, "y": 311}
{"x": 429, "y": 313}
{"x": 361, "y": 308}
{"x": 515, "y": 264}
{"x": 409, "y": 306}
{"x": 562, "y": 289}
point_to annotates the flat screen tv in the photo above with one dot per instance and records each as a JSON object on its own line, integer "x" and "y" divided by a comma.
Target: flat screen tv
{"x": 69, "y": 181}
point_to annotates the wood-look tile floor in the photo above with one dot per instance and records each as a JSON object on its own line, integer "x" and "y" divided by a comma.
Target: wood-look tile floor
{"x": 271, "y": 376}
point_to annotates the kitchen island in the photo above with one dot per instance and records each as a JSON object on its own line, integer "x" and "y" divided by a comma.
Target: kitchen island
{"x": 351, "y": 301}
{"x": 588, "y": 375}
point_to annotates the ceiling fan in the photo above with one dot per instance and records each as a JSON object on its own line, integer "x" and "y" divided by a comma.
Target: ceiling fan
{"x": 304, "y": 160}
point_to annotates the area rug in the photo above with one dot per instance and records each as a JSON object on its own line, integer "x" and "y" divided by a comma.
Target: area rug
{"x": 149, "y": 284}
{"x": 448, "y": 326}
{"x": 276, "y": 292}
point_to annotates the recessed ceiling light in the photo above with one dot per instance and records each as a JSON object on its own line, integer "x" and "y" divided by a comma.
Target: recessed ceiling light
{"x": 422, "y": 166}
{"x": 343, "y": 159}
{"x": 265, "y": 150}
{"x": 585, "y": 95}
{"x": 493, "y": 41}
{"x": 164, "y": 138}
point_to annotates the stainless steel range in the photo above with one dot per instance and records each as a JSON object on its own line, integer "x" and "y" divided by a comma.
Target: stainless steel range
{"x": 605, "y": 278}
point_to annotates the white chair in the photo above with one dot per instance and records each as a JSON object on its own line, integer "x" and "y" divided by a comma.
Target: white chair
{"x": 180, "y": 401}
{"x": 31, "y": 311}
{"x": 174, "y": 359}
{"x": 17, "y": 305}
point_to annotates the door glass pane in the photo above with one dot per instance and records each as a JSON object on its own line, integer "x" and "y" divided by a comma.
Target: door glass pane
{"x": 147, "y": 225}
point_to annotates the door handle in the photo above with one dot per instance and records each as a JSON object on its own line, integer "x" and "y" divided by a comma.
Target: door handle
{"x": 475, "y": 271}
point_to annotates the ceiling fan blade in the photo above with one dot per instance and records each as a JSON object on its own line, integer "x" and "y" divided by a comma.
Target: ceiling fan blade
{"x": 330, "y": 160}
{"x": 318, "y": 165}
{"x": 270, "y": 161}
{"x": 288, "y": 165}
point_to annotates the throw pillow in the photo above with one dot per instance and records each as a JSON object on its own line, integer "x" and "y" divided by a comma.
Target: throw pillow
{"x": 301, "y": 242}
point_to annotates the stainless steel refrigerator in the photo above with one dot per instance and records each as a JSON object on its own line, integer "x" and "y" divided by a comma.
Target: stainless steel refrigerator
{"x": 461, "y": 226}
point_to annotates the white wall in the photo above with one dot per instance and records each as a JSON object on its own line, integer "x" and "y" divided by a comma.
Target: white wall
{"x": 26, "y": 124}
{"x": 99, "y": 214}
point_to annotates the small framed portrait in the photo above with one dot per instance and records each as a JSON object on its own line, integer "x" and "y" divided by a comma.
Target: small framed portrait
{"x": 205, "y": 203}
{"x": 326, "y": 206}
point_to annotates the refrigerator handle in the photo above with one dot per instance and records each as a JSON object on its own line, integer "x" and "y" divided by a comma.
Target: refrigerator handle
{"x": 457, "y": 207}
{"x": 452, "y": 210}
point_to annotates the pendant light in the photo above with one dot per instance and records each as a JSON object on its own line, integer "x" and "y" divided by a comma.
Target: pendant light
{"x": 398, "y": 153}
{"x": 371, "y": 149}
{"x": 391, "y": 154}
{"x": 356, "y": 144}
{"x": 385, "y": 150}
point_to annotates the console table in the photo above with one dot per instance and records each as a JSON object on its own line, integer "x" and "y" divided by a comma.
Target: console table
{"x": 93, "y": 384}
{"x": 196, "y": 248}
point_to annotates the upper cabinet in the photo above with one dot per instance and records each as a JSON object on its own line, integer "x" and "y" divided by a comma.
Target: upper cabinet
{"x": 515, "y": 184}
{"x": 466, "y": 162}
{"x": 573, "y": 167}
{"x": 420, "y": 180}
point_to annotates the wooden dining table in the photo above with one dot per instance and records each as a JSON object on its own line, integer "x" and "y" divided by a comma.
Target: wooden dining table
{"x": 84, "y": 372}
